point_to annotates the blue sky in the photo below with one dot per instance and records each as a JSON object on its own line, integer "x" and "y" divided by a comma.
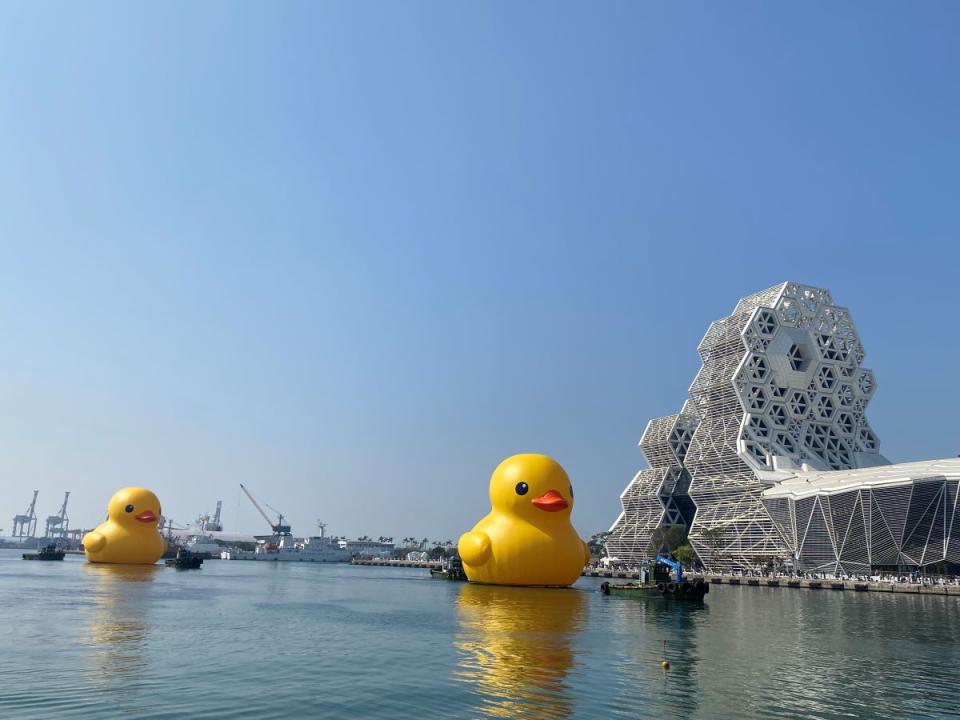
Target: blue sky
{"x": 354, "y": 254}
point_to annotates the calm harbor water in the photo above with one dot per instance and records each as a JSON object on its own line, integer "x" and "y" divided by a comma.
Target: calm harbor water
{"x": 265, "y": 640}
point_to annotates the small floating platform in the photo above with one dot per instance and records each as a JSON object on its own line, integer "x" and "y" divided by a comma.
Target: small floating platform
{"x": 50, "y": 552}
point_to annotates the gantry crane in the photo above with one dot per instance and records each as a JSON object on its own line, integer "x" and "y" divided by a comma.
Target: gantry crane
{"x": 279, "y": 528}
{"x": 208, "y": 524}
{"x": 57, "y": 525}
{"x": 26, "y": 525}
{"x": 213, "y": 525}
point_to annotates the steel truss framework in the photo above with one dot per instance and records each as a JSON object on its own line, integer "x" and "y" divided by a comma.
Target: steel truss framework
{"x": 894, "y": 515}
{"x": 781, "y": 388}
{"x": 659, "y": 495}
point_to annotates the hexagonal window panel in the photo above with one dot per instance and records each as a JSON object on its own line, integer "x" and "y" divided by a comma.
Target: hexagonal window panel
{"x": 756, "y": 399}
{"x": 786, "y": 442}
{"x": 826, "y": 378}
{"x": 824, "y": 407}
{"x": 798, "y": 404}
{"x": 766, "y": 323}
{"x": 755, "y": 341}
{"x": 827, "y": 322}
{"x": 833, "y": 440}
{"x": 778, "y": 415}
{"x": 845, "y": 395}
{"x": 845, "y": 423}
{"x": 828, "y": 348}
{"x": 867, "y": 382}
{"x": 815, "y": 439}
{"x": 789, "y": 312}
{"x": 757, "y": 367}
{"x": 758, "y": 427}
{"x": 809, "y": 302}
{"x": 795, "y": 428}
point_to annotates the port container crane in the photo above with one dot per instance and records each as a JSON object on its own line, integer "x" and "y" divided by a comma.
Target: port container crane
{"x": 214, "y": 524}
{"x": 26, "y": 525}
{"x": 57, "y": 525}
{"x": 279, "y": 528}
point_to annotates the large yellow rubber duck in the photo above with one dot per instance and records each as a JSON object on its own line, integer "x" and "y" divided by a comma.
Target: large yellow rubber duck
{"x": 527, "y": 538}
{"x": 130, "y": 534}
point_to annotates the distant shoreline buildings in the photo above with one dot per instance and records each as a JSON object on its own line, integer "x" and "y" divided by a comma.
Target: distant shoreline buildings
{"x": 771, "y": 458}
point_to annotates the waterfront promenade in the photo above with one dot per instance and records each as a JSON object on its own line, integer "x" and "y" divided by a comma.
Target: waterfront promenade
{"x": 884, "y": 586}
{"x": 853, "y": 585}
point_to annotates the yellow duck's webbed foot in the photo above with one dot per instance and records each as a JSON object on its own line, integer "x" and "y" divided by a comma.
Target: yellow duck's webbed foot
{"x": 474, "y": 547}
{"x": 94, "y": 542}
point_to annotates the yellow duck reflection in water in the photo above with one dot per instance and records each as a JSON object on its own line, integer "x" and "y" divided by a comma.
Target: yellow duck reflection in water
{"x": 118, "y": 630}
{"x": 517, "y": 647}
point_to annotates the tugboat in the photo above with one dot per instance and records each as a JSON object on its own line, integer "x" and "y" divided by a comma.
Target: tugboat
{"x": 661, "y": 585}
{"x": 185, "y": 560}
{"x": 49, "y": 552}
{"x": 453, "y": 571}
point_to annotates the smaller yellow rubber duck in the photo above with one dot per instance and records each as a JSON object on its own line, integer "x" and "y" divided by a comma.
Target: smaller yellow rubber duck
{"x": 527, "y": 539}
{"x": 130, "y": 534}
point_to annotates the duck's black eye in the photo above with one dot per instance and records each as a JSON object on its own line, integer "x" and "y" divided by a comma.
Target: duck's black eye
{"x": 522, "y": 488}
{"x": 571, "y": 491}
{"x": 128, "y": 508}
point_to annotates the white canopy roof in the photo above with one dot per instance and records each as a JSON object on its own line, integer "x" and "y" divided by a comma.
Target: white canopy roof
{"x": 803, "y": 483}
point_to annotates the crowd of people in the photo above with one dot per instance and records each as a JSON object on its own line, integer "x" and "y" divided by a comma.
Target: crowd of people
{"x": 913, "y": 578}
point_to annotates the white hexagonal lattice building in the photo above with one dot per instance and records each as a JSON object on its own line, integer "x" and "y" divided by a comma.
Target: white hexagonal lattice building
{"x": 781, "y": 396}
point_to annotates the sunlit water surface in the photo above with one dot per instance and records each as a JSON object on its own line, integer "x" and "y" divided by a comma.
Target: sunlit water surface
{"x": 265, "y": 640}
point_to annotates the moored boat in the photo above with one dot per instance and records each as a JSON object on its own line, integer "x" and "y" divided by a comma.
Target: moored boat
{"x": 686, "y": 590}
{"x": 49, "y": 552}
{"x": 185, "y": 560}
{"x": 452, "y": 570}
{"x": 283, "y": 547}
{"x": 656, "y": 582}
{"x": 205, "y": 546}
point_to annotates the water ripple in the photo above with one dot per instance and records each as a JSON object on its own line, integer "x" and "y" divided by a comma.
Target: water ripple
{"x": 251, "y": 640}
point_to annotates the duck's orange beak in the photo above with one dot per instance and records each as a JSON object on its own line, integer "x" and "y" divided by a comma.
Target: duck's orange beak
{"x": 551, "y": 501}
{"x": 146, "y": 516}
